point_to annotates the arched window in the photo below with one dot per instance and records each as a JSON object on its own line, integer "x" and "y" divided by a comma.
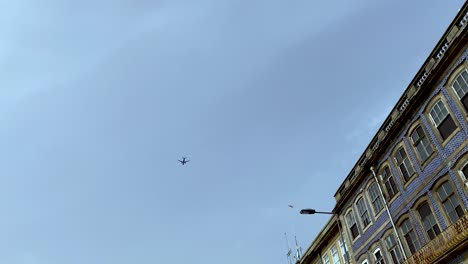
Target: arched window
{"x": 461, "y": 170}
{"x": 404, "y": 164}
{"x": 351, "y": 221}
{"x": 442, "y": 119}
{"x": 389, "y": 182}
{"x": 464, "y": 174}
{"x": 421, "y": 143}
{"x": 343, "y": 250}
{"x": 450, "y": 201}
{"x": 378, "y": 257}
{"x": 375, "y": 198}
{"x": 335, "y": 256}
{"x": 363, "y": 212}
{"x": 410, "y": 236}
{"x": 428, "y": 220}
{"x": 464, "y": 170}
{"x": 393, "y": 248}
{"x": 460, "y": 87}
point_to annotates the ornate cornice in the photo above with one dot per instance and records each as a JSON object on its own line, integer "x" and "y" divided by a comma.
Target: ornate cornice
{"x": 435, "y": 63}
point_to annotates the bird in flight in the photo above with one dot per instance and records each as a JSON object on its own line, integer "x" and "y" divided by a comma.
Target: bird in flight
{"x": 184, "y": 160}
{"x": 291, "y": 206}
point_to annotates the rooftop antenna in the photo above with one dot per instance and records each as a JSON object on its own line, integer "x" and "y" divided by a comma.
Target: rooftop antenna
{"x": 288, "y": 254}
{"x": 298, "y": 250}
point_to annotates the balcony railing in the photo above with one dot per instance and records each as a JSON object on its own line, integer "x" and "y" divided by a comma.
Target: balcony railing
{"x": 444, "y": 242}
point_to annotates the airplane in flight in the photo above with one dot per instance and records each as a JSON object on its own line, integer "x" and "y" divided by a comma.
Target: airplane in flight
{"x": 184, "y": 160}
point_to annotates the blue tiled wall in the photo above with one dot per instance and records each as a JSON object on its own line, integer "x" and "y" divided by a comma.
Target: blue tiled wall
{"x": 404, "y": 199}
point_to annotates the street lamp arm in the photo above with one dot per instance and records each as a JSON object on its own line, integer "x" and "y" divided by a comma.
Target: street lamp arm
{"x": 338, "y": 223}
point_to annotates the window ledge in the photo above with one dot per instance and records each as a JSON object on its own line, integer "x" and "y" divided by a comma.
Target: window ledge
{"x": 431, "y": 157}
{"x": 413, "y": 176}
{"x": 393, "y": 198}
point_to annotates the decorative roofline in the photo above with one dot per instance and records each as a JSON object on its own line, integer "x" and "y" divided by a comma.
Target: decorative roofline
{"x": 455, "y": 29}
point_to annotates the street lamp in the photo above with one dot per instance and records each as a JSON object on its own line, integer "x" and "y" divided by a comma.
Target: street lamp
{"x": 313, "y": 211}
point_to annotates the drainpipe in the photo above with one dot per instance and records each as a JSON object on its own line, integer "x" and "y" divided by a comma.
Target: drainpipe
{"x": 338, "y": 222}
{"x": 388, "y": 212}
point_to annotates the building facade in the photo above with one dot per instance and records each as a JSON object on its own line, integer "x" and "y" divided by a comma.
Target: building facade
{"x": 405, "y": 200}
{"x": 328, "y": 247}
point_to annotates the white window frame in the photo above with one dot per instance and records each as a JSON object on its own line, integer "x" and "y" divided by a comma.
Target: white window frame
{"x": 422, "y": 144}
{"x": 364, "y": 213}
{"x": 453, "y": 193}
{"x": 387, "y": 179}
{"x": 375, "y": 257}
{"x": 445, "y": 112}
{"x": 462, "y": 175}
{"x": 335, "y": 253}
{"x": 326, "y": 259}
{"x": 343, "y": 249}
{"x": 350, "y": 224}
{"x": 376, "y": 199}
{"x": 406, "y": 162}
{"x": 393, "y": 248}
{"x": 460, "y": 75}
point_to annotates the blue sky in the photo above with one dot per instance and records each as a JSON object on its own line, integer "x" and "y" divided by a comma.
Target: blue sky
{"x": 273, "y": 102}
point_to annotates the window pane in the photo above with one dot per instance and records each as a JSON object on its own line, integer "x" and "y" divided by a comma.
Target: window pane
{"x": 363, "y": 212}
{"x": 393, "y": 249}
{"x": 461, "y": 84}
{"x": 387, "y": 171}
{"x": 429, "y": 222}
{"x": 343, "y": 249}
{"x": 352, "y": 224}
{"x": 415, "y": 136}
{"x": 389, "y": 182}
{"x": 450, "y": 201}
{"x": 447, "y": 127}
{"x": 393, "y": 184}
{"x": 390, "y": 241}
{"x": 354, "y": 231}
{"x": 375, "y": 197}
{"x": 395, "y": 257}
{"x": 448, "y": 206}
{"x": 426, "y": 145}
{"x": 444, "y": 191}
{"x": 464, "y": 101}
{"x": 350, "y": 218}
{"x": 410, "y": 244}
{"x": 438, "y": 112}
{"x": 410, "y": 236}
{"x": 404, "y": 172}
{"x": 336, "y": 258}
{"x": 421, "y": 143}
{"x": 406, "y": 168}
{"x": 378, "y": 257}
{"x": 459, "y": 211}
